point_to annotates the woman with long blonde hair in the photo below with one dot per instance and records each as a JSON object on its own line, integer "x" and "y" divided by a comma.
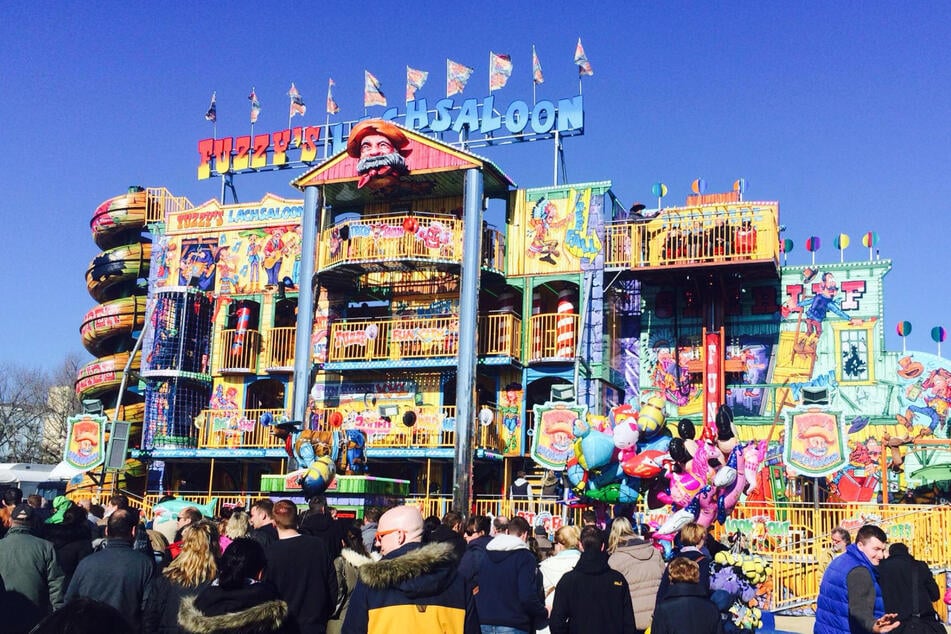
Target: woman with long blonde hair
{"x": 642, "y": 567}
{"x": 565, "y": 557}
{"x": 192, "y": 570}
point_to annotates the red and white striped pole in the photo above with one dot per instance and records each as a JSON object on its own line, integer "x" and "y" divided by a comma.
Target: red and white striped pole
{"x": 565, "y": 343}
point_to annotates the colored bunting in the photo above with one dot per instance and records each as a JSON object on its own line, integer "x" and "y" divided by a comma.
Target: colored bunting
{"x": 372, "y": 91}
{"x": 537, "y": 76}
{"x": 500, "y": 69}
{"x": 456, "y": 77}
{"x": 212, "y": 114}
{"x": 297, "y": 102}
{"x": 255, "y": 106}
{"x": 332, "y": 107}
{"x": 584, "y": 66}
{"x": 414, "y": 81}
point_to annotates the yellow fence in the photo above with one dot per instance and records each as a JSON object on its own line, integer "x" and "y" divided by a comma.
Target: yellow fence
{"x": 701, "y": 235}
{"x": 238, "y": 352}
{"x": 222, "y": 428}
{"x": 553, "y": 336}
{"x": 392, "y": 238}
{"x": 279, "y": 349}
{"x": 160, "y": 201}
{"x": 428, "y": 432}
{"x": 419, "y": 338}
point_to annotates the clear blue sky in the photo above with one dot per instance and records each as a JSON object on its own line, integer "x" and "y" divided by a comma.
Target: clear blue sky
{"x": 837, "y": 109}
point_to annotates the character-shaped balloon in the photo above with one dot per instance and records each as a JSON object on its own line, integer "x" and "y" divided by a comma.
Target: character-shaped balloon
{"x": 594, "y": 449}
{"x": 646, "y": 464}
{"x": 626, "y": 435}
{"x": 726, "y": 432}
{"x": 688, "y": 432}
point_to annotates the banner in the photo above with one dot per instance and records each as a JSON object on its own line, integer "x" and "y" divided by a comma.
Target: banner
{"x": 554, "y": 433}
{"x": 85, "y": 445}
{"x": 814, "y": 443}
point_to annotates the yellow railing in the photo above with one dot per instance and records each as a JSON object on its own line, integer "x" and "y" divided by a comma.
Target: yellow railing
{"x": 701, "y": 235}
{"x": 493, "y": 249}
{"x": 238, "y": 352}
{"x": 160, "y": 201}
{"x": 427, "y": 432}
{"x": 500, "y": 335}
{"x": 420, "y": 338}
{"x": 392, "y": 238}
{"x": 225, "y": 498}
{"x": 552, "y": 336}
{"x": 280, "y": 348}
{"x": 224, "y": 428}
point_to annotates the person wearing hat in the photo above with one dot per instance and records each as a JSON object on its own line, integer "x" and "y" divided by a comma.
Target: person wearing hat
{"x": 31, "y": 570}
{"x": 381, "y": 149}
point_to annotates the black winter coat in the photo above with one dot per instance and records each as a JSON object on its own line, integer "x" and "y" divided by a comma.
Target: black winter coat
{"x": 686, "y": 610}
{"x": 894, "y": 578}
{"x": 592, "y": 598}
{"x": 254, "y": 608}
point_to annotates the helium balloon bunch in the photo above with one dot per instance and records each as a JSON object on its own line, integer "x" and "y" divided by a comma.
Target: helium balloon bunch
{"x": 734, "y": 579}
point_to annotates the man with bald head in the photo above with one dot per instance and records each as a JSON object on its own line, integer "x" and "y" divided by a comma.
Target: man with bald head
{"x": 413, "y": 588}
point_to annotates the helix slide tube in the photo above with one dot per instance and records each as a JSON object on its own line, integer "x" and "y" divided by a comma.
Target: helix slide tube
{"x": 113, "y": 273}
{"x": 108, "y": 328}
{"x": 119, "y": 220}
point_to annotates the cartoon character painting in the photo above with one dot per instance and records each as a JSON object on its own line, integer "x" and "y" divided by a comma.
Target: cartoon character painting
{"x": 543, "y": 244}
{"x": 936, "y": 393}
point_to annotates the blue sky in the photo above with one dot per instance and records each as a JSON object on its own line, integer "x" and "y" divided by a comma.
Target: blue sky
{"x": 839, "y": 110}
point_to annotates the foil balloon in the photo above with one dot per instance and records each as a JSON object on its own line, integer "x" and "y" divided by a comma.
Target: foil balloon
{"x": 686, "y": 429}
{"x": 678, "y": 451}
{"x": 318, "y": 476}
{"x": 646, "y": 464}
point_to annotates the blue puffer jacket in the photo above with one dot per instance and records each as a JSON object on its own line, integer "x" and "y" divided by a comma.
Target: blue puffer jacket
{"x": 832, "y": 607}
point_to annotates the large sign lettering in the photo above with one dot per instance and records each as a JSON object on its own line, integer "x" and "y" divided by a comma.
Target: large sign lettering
{"x": 311, "y": 144}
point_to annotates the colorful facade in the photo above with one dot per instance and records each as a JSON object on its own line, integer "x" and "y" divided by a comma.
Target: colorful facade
{"x": 582, "y": 307}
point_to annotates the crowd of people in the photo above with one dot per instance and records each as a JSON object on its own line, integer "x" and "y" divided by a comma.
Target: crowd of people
{"x": 271, "y": 568}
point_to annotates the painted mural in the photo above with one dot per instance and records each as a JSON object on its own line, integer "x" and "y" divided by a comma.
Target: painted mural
{"x": 553, "y": 433}
{"x": 510, "y": 408}
{"x": 231, "y": 249}
{"x": 560, "y": 230}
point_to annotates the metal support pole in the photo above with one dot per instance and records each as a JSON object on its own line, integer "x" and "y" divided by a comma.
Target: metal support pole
{"x": 468, "y": 343}
{"x": 305, "y": 303}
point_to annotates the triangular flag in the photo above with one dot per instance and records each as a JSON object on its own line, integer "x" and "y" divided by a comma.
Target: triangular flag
{"x": 332, "y": 107}
{"x": 414, "y": 81}
{"x": 584, "y": 66}
{"x": 456, "y": 77}
{"x": 255, "y": 106}
{"x": 212, "y": 114}
{"x": 372, "y": 92}
{"x": 537, "y": 76}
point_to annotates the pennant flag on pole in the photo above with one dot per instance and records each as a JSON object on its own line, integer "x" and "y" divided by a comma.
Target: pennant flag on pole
{"x": 212, "y": 114}
{"x": 500, "y": 69}
{"x": 537, "y": 76}
{"x": 372, "y": 92}
{"x": 332, "y": 107}
{"x": 414, "y": 81}
{"x": 297, "y": 103}
{"x": 255, "y": 106}
{"x": 456, "y": 77}
{"x": 584, "y": 66}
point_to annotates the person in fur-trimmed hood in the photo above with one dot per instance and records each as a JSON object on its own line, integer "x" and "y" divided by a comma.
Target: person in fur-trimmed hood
{"x": 236, "y": 602}
{"x": 414, "y": 588}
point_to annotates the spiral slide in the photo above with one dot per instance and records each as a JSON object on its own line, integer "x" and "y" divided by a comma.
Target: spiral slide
{"x": 115, "y": 273}
{"x": 109, "y": 327}
{"x": 119, "y": 220}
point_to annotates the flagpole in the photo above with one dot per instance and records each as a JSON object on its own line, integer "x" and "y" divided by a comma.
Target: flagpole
{"x": 534, "y": 85}
{"x": 326, "y": 134}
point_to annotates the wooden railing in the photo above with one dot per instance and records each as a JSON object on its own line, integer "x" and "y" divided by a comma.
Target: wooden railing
{"x": 553, "y": 336}
{"x": 392, "y": 238}
{"x": 160, "y": 202}
{"x": 500, "y": 334}
{"x": 279, "y": 348}
{"x": 420, "y": 338}
{"x": 701, "y": 235}
{"x": 231, "y": 428}
{"x": 238, "y": 352}
{"x": 430, "y": 431}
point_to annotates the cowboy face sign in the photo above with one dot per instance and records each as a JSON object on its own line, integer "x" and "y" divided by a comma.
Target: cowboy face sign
{"x": 814, "y": 443}
{"x": 84, "y": 448}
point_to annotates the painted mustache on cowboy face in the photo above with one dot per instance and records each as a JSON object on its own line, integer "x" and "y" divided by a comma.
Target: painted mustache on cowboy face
{"x": 393, "y": 159}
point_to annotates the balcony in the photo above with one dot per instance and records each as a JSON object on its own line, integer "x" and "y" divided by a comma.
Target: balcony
{"x": 553, "y": 337}
{"x": 237, "y": 353}
{"x": 429, "y": 432}
{"x": 709, "y": 235}
{"x": 279, "y": 349}
{"x": 420, "y": 338}
{"x": 385, "y": 242}
{"x": 233, "y": 428}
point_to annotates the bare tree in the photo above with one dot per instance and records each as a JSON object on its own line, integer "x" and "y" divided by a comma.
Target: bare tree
{"x": 61, "y": 403}
{"x": 23, "y": 396}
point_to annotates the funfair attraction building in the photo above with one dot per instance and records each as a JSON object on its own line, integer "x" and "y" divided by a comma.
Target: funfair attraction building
{"x": 382, "y": 302}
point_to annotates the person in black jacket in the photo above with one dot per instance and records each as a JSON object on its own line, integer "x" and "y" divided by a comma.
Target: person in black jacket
{"x": 236, "y": 602}
{"x": 692, "y": 538}
{"x": 71, "y": 538}
{"x": 904, "y": 579}
{"x": 318, "y": 522}
{"x": 685, "y": 609}
{"x": 301, "y": 569}
{"x": 477, "y": 537}
{"x": 592, "y": 597}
